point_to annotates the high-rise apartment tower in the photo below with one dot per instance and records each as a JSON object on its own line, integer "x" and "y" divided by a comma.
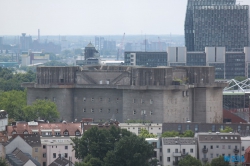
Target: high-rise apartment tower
{"x": 216, "y": 23}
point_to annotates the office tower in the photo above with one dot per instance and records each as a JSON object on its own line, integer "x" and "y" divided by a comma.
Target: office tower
{"x": 216, "y": 23}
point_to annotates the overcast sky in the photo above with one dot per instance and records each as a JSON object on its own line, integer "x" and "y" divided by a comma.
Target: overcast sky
{"x": 93, "y": 17}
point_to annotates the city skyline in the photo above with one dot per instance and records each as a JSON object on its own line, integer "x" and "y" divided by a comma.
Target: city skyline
{"x": 95, "y": 17}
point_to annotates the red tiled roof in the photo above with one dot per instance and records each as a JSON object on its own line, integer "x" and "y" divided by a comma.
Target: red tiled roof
{"x": 21, "y": 127}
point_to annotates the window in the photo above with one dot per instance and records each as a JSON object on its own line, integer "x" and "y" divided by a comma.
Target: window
{"x": 54, "y": 99}
{"x": 66, "y": 147}
{"x": 196, "y": 128}
{"x": 242, "y": 148}
{"x": 179, "y": 127}
{"x": 44, "y": 146}
{"x": 168, "y": 159}
{"x": 229, "y": 146}
{"x": 134, "y": 112}
{"x": 84, "y": 109}
{"x": 66, "y": 155}
{"x": 25, "y": 132}
{"x": 223, "y": 146}
{"x": 168, "y": 150}
{"x": 217, "y": 146}
{"x": 92, "y": 99}
{"x": 191, "y": 150}
{"x": 151, "y": 101}
{"x": 54, "y": 155}
{"x": 176, "y": 150}
{"x": 133, "y": 100}
{"x": 108, "y": 110}
{"x": 57, "y": 133}
{"x": 36, "y": 149}
{"x": 217, "y": 155}
{"x": 154, "y": 144}
{"x": 188, "y": 127}
{"x": 66, "y": 133}
{"x": 78, "y": 133}
{"x": 44, "y": 163}
{"x": 92, "y": 110}
{"x": 211, "y": 155}
{"x": 44, "y": 155}
{"x": 117, "y": 111}
{"x": 100, "y": 110}
{"x": 211, "y": 147}
{"x": 151, "y": 112}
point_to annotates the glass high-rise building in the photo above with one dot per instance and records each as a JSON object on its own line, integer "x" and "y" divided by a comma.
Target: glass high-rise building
{"x": 216, "y": 23}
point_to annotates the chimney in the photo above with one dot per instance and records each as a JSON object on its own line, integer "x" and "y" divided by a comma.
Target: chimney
{"x": 38, "y": 36}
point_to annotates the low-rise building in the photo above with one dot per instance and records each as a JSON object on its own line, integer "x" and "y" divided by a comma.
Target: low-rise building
{"x": 156, "y": 142}
{"x": 152, "y": 128}
{"x": 55, "y": 147}
{"x": 3, "y": 120}
{"x": 27, "y": 143}
{"x": 174, "y": 148}
{"x": 61, "y": 161}
{"x": 45, "y": 129}
{"x": 212, "y": 145}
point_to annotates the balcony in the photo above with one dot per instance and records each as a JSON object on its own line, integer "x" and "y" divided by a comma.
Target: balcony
{"x": 176, "y": 163}
{"x": 236, "y": 151}
{"x": 204, "y": 160}
{"x": 177, "y": 154}
{"x": 204, "y": 150}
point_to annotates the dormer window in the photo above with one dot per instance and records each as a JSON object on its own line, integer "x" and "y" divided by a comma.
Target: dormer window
{"x": 25, "y": 132}
{"x": 78, "y": 133}
{"x": 14, "y": 132}
{"x": 66, "y": 133}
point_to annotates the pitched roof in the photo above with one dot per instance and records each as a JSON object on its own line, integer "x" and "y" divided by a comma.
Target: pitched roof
{"x": 32, "y": 127}
{"x": 17, "y": 157}
{"x": 32, "y": 139}
{"x": 60, "y": 161}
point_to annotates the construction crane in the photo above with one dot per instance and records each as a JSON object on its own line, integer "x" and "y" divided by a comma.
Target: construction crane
{"x": 119, "y": 52}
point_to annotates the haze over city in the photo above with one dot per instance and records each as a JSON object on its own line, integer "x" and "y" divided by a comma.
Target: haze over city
{"x": 95, "y": 17}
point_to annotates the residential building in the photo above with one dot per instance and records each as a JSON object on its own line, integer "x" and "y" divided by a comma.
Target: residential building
{"x": 27, "y": 143}
{"x": 157, "y": 144}
{"x": 3, "y": 120}
{"x": 212, "y": 145}
{"x": 45, "y": 129}
{"x": 213, "y": 23}
{"x": 57, "y": 147}
{"x": 17, "y": 157}
{"x": 61, "y": 161}
{"x": 241, "y": 128}
{"x": 245, "y": 143}
{"x": 152, "y": 128}
{"x": 175, "y": 148}
{"x": 156, "y": 95}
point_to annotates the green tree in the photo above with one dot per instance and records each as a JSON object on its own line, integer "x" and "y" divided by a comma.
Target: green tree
{"x": 13, "y": 102}
{"x": 112, "y": 146}
{"x": 145, "y": 134}
{"x": 219, "y": 162}
{"x": 43, "y": 109}
{"x": 189, "y": 161}
{"x": 170, "y": 134}
{"x": 187, "y": 133}
{"x": 227, "y": 129}
{"x": 3, "y": 162}
{"x": 130, "y": 150}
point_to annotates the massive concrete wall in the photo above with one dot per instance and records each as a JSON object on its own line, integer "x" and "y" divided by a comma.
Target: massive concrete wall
{"x": 143, "y": 105}
{"x": 99, "y": 104}
{"x": 176, "y": 106}
{"x": 62, "y": 97}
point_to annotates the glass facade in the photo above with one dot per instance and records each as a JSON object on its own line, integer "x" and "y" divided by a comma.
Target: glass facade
{"x": 211, "y": 23}
{"x": 235, "y": 65}
{"x": 219, "y": 70}
{"x": 196, "y": 59}
{"x": 149, "y": 59}
{"x": 236, "y": 101}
